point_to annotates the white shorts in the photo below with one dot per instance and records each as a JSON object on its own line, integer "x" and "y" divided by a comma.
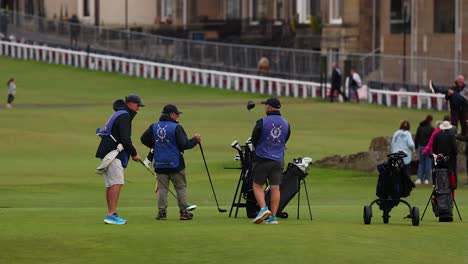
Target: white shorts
{"x": 114, "y": 173}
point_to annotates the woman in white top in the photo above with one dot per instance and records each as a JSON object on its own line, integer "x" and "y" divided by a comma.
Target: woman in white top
{"x": 402, "y": 140}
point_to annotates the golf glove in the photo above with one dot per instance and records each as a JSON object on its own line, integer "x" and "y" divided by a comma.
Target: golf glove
{"x": 147, "y": 163}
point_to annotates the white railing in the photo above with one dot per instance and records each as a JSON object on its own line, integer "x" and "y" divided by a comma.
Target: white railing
{"x": 146, "y": 69}
{"x": 400, "y": 99}
{"x": 209, "y": 78}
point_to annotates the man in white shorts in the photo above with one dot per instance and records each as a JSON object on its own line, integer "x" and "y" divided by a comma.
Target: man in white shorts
{"x": 118, "y": 131}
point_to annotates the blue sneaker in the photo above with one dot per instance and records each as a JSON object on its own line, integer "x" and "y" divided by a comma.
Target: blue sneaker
{"x": 263, "y": 214}
{"x": 272, "y": 220}
{"x": 114, "y": 220}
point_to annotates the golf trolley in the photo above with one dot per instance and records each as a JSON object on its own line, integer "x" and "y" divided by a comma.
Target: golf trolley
{"x": 293, "y": 179}
{"x": 393, "y": 184}
{"x": 443, "y": 193}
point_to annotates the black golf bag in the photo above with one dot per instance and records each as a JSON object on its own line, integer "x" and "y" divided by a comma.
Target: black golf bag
{"x": 289, "y": 186}
{"x": 290, "y": 182}
{"x": 442, "y": 195}
{"x": 392, "y": 185}
{"x": 393, "y": 182}
{"x": 251, "y": 205}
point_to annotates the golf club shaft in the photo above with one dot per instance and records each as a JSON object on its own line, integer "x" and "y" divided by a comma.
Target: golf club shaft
{"x": 167, "y": 187}
{"x": 209, "y": 177}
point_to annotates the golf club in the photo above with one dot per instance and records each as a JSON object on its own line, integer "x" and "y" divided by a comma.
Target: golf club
{"x": 189, "y": 207}
{"x": 221, "y": 210}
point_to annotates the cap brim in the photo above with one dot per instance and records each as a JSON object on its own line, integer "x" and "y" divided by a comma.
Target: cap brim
{"x": 142, "y": 105}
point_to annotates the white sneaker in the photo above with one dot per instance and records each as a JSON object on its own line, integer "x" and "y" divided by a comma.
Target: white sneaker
{"x": 418, "y": 181}
{"x": 431, "y": 87}
{"x": 426, "y": 182}
{"x": 8, "y": 106}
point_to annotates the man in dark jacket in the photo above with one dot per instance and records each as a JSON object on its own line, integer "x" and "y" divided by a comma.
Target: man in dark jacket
{"x": 169, "y": 140}
{"x": 269, "y": 138}
{"x": 457, "y": 95}
{"x": 74, "y": 31}
{"x": 118, "y": 131}
{"x": 336, "y": 82}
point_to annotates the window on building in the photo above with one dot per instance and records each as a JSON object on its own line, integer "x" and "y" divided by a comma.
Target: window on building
{"x": 279, "y": 9}
{"x": 444, "y": 23}
{"x": 400, "y": 16}
{"x": 257, "y": 10}
{"x": 86, "y": 11}
{"x": 307, "y": 8}
{"x": 166, "y": 10}
{"x": 233, "y": 9}
{"x": 336, "y": 11}
{"x": 29, "y": 7}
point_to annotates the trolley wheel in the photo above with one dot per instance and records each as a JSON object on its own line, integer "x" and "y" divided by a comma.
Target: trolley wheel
{"x": 367, "y": 214}
{"x": 283, "y": 215}
{"x": 415, "y": 216}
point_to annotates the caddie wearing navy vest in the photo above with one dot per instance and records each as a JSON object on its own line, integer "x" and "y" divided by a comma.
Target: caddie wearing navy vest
{"x": 269, "y": 137}
{"x": 169, "y": 140}
{"x": 118, "y": 130}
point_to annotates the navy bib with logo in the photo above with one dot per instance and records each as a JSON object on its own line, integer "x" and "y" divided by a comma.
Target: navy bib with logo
{"x": 273, "y": 138}
{"x": 165, "y": 145}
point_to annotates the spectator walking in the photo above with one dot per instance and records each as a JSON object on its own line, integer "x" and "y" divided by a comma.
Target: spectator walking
{"x": 169, "y": 140}
{"x": 269, "y": 137}
{"x": 354, "y": 83}
{"x": 75, "y": 29}
{"x": 11, "y": 85}
{"x": 118, "y": 130}
{"x": 423, "y": 134}
{"x": 403, "y": 141}
{"x": 336, "y": 83}
{"x": 457, "y": 95}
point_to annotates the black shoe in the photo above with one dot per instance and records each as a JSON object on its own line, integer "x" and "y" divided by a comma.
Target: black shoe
{"x": 162, "y": 215}
{"x": 186, "y": 216}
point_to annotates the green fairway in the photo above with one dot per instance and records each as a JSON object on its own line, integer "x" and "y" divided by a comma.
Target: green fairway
{"x": 52, "y": 204}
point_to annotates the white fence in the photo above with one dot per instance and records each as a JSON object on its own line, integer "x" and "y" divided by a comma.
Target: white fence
{"x": 209, "y": 78}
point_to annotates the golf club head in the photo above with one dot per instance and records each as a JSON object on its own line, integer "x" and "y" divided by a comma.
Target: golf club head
{"x": 222, "y": 210}
{"x": 307, "y": 160}
{"x": 235, "y": 144}
{"x": 249, "y": 144}
{"x": 191, "y": 207}
{"x": 250, "y": 105}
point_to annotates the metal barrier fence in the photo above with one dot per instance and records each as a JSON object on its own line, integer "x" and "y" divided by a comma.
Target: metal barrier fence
{"x": 378, "y": 70}
{"x": 211, "y": 78}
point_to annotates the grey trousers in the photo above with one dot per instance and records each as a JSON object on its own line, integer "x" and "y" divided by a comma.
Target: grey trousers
{"x": 180, "y": 185}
